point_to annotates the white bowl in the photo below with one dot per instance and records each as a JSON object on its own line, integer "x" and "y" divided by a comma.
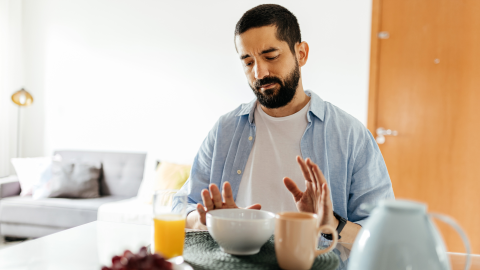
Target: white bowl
{"x": 240, "y": 231}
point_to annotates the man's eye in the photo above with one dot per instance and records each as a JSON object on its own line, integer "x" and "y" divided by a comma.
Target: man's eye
{"x": 272, "y": 58}
{"x": 248, "y": 64}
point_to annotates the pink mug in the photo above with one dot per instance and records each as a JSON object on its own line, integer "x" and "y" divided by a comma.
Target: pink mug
{"x": 296, "y": 239}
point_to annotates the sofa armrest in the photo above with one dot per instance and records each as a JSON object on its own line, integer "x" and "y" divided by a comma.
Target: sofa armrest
{"x": 9, "y": 186}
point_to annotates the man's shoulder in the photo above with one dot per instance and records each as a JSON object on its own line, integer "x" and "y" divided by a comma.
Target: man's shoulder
{"x": 345, "y": 131}
{"x": 242, "y": 110}
{"x": 344, "y": 126}
{"x": 332, "y": 115}
{"x": 340, "y": 117}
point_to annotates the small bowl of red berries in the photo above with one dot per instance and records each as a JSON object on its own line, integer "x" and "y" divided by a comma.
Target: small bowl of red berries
{"x": 143, "y": 260}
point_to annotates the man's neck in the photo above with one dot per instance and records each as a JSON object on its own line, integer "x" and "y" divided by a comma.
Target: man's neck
{"x": 298, "y": 102}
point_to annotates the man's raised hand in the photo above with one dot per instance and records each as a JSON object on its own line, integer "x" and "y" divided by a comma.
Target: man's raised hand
{"x": 213, "y": 200}
{"x": 316, "y": 197}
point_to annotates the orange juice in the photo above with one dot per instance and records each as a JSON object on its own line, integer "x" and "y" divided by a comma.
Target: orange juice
{"x": 169, "y": 235}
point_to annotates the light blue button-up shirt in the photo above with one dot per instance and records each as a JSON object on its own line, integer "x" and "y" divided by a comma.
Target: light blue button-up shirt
{"x": 339, "y": 144}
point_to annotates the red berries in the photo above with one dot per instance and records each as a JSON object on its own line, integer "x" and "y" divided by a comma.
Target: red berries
{"x": 140, "y": 261}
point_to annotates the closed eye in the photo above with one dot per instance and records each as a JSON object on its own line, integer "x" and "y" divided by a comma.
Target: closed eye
{"x": 273, "y": 58}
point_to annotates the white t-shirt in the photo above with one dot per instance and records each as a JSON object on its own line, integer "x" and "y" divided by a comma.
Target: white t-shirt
{"x": 273, "y": 156}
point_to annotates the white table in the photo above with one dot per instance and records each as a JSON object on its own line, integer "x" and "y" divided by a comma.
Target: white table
{"x": 91, "y": 246}
{"x": 85, "y": 247}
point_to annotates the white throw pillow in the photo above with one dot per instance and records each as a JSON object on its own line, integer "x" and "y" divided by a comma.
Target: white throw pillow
{"x": 30, "y": 172}
{"x": 70, "y": 180}
{"x": 145, "y": 192}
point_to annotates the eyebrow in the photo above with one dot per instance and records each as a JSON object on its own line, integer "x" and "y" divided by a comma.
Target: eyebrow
{"x": 269, "y": 50}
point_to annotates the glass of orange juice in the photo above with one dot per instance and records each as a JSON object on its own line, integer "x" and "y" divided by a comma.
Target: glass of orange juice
{"x": 169, "y": 226}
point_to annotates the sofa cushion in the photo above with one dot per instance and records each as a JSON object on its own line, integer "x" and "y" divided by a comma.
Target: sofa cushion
{"x": 145, "y": 192}
{"x": 9, "y": 186}
{"x": 122, "y": 173}
{"x": 130, "y": 210}
{"x": 171, "y": 176}
{"x": 52, "y": 212}
{"x": 31, "y": 171}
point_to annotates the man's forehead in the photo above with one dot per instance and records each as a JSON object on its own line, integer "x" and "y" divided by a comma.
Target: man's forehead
{"x": 258, "y": 40}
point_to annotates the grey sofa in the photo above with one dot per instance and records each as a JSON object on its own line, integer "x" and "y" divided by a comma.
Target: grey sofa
{"x": 121, "y": 176}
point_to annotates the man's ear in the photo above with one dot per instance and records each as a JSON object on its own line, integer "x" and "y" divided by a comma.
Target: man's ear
{"x": 302, "y": 50}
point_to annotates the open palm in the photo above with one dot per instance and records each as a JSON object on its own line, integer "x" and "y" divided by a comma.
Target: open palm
{"x": 316, "y": 197}
{"x": 213, "y": 200}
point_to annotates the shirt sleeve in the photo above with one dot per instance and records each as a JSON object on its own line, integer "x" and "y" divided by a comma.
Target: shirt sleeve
{"x": 200, "y": 175}
{"x": 370, "y": 180}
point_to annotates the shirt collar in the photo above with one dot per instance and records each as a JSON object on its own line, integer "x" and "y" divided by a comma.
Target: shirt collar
{"x": 317, "y": 107}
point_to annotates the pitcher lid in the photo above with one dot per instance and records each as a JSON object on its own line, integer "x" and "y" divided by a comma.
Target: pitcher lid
{"x": 404, "y": 205}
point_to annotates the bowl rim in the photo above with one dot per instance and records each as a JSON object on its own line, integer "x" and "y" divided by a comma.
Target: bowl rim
{"x": 272, "y": 215}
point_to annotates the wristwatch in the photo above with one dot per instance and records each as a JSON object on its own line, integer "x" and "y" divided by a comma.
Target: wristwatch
{"x": 341, "y": 223}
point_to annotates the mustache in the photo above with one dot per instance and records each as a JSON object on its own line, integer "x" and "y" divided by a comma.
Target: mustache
{"x": 267, "y": 80}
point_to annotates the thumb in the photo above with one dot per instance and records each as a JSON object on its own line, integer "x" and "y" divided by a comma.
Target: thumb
{"x": 292, "y": 187}
{"x": 254, "y": 206}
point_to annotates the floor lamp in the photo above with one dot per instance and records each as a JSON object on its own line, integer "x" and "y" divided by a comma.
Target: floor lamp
{"x": 22, "y": 98}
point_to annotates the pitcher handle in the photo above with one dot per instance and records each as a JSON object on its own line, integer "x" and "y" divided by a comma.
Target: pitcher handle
{"x": 450, "y": 221}
{"x": 332, "y": 230}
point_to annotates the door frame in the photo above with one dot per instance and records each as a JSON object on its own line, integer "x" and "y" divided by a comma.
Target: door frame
{"x": 374, "y": 64}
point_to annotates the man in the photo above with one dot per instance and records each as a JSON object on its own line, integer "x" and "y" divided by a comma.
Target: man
{"x": 253, "y": 155}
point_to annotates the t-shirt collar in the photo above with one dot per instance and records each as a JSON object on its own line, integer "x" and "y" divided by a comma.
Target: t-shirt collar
{"x": 317, "y": 107}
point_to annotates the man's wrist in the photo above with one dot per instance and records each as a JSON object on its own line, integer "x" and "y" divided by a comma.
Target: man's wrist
{"x": 329, "y": 236}
{"x": 337, "y": 226}
{"x": 191, "y": 221}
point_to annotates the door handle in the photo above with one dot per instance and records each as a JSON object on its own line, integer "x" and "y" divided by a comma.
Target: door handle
{"x": 381, "y": 133}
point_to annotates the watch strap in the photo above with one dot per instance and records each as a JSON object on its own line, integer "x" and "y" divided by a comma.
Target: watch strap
{"x": 341, "y": 224}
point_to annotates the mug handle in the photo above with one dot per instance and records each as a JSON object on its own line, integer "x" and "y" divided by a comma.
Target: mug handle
{"x": 332, "y": 244}
{"x": 459, "y": 230}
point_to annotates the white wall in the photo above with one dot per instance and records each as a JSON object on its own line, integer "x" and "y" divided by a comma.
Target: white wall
{"x": 140, "y": 75}
{"x": 11, "y": 79}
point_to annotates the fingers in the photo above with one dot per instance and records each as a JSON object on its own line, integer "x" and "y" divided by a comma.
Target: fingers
{"x": 316, "y": 172}
{"x": 202, "y": 214}
{"x": 319, "y": 178}
{"x": 228, "y": 196}
{"x": 207, "y": 200}
{"x": 324, "y": 195}
{"x": 315, "y": 180}
{"x": 292, "y": 187}
{"x": 254, "y": 206}
{"x": 323, "y": 211}
{"x": 213, "y": 199}
{"x": 304, "y": 168}
{"x": 216, "y": 196}
{"x": 326, "y": 191}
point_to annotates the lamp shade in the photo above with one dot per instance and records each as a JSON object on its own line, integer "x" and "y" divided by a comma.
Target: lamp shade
{"x": 22, "y": 98}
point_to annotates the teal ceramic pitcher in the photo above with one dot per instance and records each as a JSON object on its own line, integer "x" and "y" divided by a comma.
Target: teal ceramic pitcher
{"x": 400, "y": 234}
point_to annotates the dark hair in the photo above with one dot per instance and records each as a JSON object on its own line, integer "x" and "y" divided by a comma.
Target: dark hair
{"x": 288, "y": 29}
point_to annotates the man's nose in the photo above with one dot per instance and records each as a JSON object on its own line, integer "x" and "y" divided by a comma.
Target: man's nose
{"x": 260, "y": 70}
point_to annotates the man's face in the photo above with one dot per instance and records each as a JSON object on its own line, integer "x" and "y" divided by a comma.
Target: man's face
{"x": 271, "y": 68}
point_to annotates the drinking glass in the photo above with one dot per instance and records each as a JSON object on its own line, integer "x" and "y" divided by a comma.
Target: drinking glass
{"x": 169, "y": 225}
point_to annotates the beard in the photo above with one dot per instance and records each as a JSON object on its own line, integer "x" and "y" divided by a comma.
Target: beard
{"x": 278, "y": 96}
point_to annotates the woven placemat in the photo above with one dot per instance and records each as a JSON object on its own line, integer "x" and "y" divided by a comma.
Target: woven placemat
{"x": 203, "y": 253}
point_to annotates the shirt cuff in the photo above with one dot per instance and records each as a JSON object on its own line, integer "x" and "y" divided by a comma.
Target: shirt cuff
{"x": 191, "y": 207}
{"x": 361, "y": 222}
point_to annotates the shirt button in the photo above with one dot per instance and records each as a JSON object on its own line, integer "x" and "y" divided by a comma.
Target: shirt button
{"x": 250, "y": 138}
{"x": 239, "y": 172}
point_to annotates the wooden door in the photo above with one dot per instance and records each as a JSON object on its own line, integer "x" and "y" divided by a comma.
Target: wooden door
{"x": 425, "y": 84}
